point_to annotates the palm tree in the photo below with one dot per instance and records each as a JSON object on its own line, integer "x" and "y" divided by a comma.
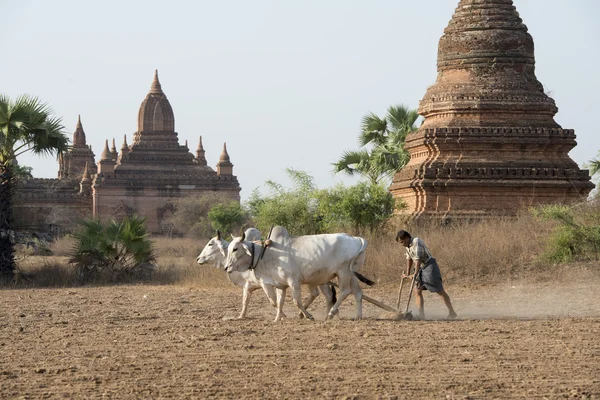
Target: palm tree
{"x": 113, "y": 249}
{"x": 386, "y": 137}
{"x": 25, "y": 125}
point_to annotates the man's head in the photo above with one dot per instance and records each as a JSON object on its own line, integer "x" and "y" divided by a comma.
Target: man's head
{"x": 403, "y": 237}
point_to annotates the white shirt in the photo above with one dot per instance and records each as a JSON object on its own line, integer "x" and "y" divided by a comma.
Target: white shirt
{"x": 417, "y": 250}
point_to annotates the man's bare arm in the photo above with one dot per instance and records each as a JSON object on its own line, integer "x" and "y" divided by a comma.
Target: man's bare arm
{"x": 409, "y": 263}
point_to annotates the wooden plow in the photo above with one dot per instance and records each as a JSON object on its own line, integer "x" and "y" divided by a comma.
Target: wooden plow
{"x": 399, "y": 314}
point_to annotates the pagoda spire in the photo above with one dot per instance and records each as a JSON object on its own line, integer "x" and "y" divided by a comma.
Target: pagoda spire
{"x": 156, "y": 88}
{"x": 124, "y": 146}
{"x": 106, "y": 155}
{"x": 124, "y": 149}
{"x": 86, "y": 173}
{"x": 224, "y": 167}
{"x": 113, "y": 150}
{"x": 224, "y": 158}
{"x": 79, "y": 134}
{"x": 200, "y": 153}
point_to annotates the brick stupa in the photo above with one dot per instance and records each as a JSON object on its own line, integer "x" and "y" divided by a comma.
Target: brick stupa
{"x": 489, "y": 144}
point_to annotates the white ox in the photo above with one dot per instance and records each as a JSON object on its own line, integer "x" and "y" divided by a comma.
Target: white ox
{"x": 293, "y": 261}
{"x": 215, "y": 251}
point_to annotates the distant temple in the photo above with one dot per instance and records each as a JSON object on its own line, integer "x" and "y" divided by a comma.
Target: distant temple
{"x": 143, "y": 179}
{"x": 489, "y": 144}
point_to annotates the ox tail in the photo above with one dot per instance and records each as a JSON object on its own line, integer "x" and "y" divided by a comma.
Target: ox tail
{"x": 364, "y": 279}
{"x": 333, "y": 293}
{"x": 361, "y": 277}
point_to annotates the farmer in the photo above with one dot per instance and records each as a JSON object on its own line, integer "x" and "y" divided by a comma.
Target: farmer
{"x": 427, "y": 273}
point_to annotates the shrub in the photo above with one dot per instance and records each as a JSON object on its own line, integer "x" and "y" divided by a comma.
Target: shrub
{"x": 113, "y": 251}
{"x": 577, "y": 235}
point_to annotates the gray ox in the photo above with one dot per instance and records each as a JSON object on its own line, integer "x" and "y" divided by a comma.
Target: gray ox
{"x": 293, "y": 261}
{"x": 215, "y": 251}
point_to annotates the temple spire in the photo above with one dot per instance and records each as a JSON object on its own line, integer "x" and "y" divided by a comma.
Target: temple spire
{"x": 224, "y": 158}
{"x": 79, "y": 134}
{"x": 113, "y": 151}
{"x": 156, "y": 88}
{"x": 106, "y": 155}
{"x": 86, "y": 173}
{"x": 124, "y": 149}
{"x": 124, "y": 146}
{"x": 224, "y": 166}
{"x": 200, "y": 153}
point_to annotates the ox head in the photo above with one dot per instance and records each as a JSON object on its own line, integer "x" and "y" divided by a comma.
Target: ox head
{"x": 239, "y": 254}
{"x": 215, "y": 251}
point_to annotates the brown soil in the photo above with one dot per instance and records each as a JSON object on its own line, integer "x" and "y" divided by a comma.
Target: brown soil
{"x": 515, "y": 340}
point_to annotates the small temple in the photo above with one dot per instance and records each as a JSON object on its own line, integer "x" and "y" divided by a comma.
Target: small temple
{"x": 143, "y": 178}
{"x": 489, "y": 144}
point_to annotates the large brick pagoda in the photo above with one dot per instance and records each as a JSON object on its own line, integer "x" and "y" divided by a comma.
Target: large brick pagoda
{"x": 489, "y": 144}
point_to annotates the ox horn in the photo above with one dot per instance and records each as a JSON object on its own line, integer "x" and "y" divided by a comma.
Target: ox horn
{"x": 218, "y": 234}
{"x": 243, "y": 236}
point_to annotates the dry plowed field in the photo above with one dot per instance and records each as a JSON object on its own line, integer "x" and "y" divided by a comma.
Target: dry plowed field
{"x": 524, "y": 340}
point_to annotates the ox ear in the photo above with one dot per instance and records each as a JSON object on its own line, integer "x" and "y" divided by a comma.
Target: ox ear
{"x": 222, "y": 249}
{"x": 218, "y": 234}
{"x": 246, "y": 249}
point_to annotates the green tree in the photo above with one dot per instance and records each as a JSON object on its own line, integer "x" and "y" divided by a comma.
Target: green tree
{"x": 227, "y": 217}
{"x": 26, "y": 125}
{"x": 22, "y": 172}
{"x": 295, "y": 208}
{"x": 364, "y": 206}
{"x": 385, "y": 137}
{"x": 306, "y": 210}
{"x": 113, "y": 250}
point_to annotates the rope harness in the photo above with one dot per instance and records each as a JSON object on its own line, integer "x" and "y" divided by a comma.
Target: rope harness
{"x": 264, "y": 244}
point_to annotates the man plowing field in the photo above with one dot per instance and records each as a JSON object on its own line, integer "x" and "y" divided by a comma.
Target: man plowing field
{"x": 427, "y": 274}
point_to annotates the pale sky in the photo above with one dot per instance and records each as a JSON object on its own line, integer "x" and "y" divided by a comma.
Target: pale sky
{"x": 285, "y": 83}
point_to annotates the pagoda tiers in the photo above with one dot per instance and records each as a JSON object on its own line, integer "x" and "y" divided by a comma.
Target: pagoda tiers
{"x": 155, "y": 169}
{"x": 489, "y": 144}
{"x": 72, "y": 163}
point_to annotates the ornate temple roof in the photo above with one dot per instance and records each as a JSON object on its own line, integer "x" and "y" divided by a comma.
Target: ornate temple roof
{"x": 156, "y": 114}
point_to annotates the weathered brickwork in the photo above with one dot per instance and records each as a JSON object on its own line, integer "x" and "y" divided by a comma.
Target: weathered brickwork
{"x": 489, "y": 144}
{"x": 143, "y": 179}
